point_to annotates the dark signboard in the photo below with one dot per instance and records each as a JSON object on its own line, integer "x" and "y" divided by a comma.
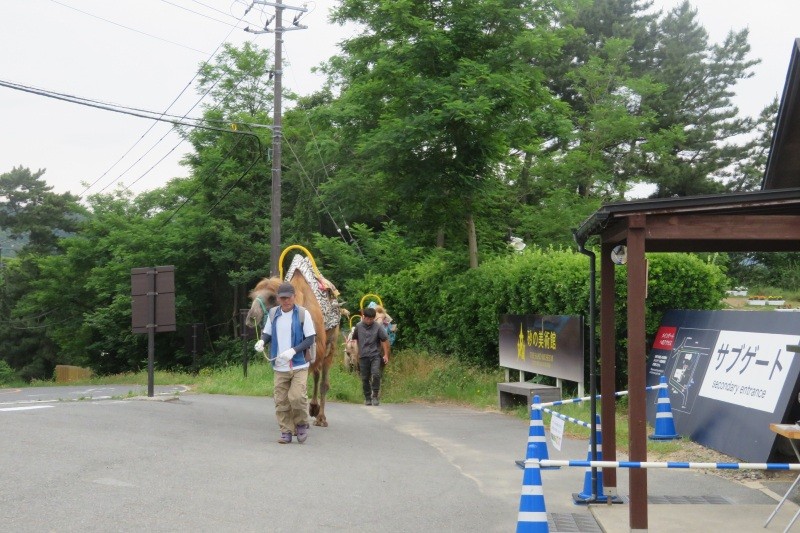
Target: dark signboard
{"x": 153, "y": 287}
{"x": 729, "y": 375}
{"x": 551, "y": 345}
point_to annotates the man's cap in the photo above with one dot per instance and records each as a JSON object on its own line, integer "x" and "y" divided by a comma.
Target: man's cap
{"x": 285, "y": 289}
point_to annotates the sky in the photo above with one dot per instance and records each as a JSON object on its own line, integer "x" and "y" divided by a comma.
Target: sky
{"x": 144, "y": 54}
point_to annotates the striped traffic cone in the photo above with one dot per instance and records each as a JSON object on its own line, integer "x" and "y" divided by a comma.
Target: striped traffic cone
{"x": 537, "y": 442}
{"x": 532, "y": 516}
{"x": 586, "y": 495}
{"x": 665, "y": 424}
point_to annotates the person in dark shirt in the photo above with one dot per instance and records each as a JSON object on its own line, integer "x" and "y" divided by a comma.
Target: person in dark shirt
{"x": 372, "y": 340}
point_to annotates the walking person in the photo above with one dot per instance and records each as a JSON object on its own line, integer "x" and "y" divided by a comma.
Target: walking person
{"x": 289, "y": 335}
{"x": 383, "y": 318}
{"x": 372, "y": 340}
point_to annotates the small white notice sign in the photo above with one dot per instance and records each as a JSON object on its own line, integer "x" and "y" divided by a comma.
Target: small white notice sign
{"x": 556, "y": 432}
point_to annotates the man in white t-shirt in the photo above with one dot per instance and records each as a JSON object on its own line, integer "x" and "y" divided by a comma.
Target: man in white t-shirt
{"x": 289, "y": 337}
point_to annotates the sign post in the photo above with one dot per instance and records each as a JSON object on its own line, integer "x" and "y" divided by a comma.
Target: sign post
{"x": 153, "y": 308}
{"x": 247, "y": 333}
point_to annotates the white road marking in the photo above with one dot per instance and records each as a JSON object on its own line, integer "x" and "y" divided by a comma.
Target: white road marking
{"x": 26, "y": 408}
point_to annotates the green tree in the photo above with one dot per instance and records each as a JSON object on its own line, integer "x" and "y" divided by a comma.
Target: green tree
{"x": 749, "y": 171}
{"x": 678, "y": 86}
{"x": 700, "y": 79}
{"x": 239, "y": 80}
{"x": 430, "y": 92}
{"x": 29, "y": 210}
{"x": 614, "y": 138}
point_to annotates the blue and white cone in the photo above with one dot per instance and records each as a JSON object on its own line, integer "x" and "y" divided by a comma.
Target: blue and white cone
{"x": 532, "y": 516}
{"x": 586, "y": 495}
{"x": 665, "y": 424}
{"x": 537, "y": 442}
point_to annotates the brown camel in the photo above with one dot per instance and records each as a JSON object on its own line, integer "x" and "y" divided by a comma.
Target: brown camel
{"x": 326, "y": 339}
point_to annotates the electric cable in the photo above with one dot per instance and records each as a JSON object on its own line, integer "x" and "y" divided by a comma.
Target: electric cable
{"x": 327, "y": 177}
{"x": 127, "y": 27}
{"x": 197, "y": 189}
{"x": 198, "y": 13}
{"x": 319, "y": 196}
{"x": 150, "y": 115}
{"x": 255, "y": 160}
{"x": 189, "y": 84}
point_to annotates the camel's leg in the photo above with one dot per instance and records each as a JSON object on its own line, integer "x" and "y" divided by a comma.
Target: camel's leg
{"x": 313, "y": 407}
{"x": 322, "y": 378}
{"x": 321, "y": 420}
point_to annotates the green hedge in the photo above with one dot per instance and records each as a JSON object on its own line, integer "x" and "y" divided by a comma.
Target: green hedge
{"x": 457, "y": 313}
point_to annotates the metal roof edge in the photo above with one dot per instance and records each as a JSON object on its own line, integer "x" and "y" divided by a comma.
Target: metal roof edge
{"x": 598, "y": 219}
{"x": 787, "y": 105}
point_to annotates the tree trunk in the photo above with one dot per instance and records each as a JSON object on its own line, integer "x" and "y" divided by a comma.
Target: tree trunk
{"x": 236, "y": 319}
{"x": 472, "y": 239}
{"x": 440, "y": 238}
{"x": 525, "y": 179}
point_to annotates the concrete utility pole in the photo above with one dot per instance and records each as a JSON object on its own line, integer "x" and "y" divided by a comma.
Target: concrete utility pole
{"x": 275, "y": 208}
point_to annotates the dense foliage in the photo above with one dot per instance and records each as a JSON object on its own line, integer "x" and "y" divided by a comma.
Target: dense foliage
{"x": 444, "y": 128}
{"x": 457, "y": 312}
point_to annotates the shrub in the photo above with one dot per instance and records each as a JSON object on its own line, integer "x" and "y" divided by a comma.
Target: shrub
{"x": 457, "y": 313}
{"x": 7, "y": 374}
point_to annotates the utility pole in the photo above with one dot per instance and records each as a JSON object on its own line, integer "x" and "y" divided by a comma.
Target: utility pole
{"x": 275, "y": 207}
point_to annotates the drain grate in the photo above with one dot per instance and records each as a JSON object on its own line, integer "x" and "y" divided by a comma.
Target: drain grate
{"x": 571, "y": 522}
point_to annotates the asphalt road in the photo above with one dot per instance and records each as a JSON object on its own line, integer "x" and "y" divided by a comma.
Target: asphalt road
{"x": 212, "y": 463}
{"x": 102, "y": 459}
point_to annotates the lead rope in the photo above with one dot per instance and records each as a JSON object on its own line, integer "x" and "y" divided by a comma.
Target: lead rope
{"x": 258, "y": 335}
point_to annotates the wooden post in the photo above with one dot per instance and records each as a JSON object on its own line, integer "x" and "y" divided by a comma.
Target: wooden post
{"x": 637, "y": 416}
{"x": 608, "y": 367}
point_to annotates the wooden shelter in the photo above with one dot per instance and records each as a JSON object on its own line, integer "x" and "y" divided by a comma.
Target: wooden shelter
{"x": 762, "y": 221}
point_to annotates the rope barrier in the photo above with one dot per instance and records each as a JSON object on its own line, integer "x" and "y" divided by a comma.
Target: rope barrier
{"x": 668, "y": 464}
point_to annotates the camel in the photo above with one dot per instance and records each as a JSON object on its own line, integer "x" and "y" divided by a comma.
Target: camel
{"x": 351, "y": 352}
{"x": 263, "y": 296}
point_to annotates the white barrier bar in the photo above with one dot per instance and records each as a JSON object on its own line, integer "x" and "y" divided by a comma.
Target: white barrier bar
{"x": 567, "y": 418}
{"x": 668, "y": 464}
{"x": 586, "y": 398}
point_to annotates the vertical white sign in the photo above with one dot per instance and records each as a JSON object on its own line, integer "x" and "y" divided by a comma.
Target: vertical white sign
{"x": 556, "y": 432}
{"x": 748, "y": 369}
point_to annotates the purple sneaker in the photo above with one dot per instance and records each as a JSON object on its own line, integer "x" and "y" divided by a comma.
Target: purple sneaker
{"x": 286, "y": 438}
{"x": 302, "y": 433}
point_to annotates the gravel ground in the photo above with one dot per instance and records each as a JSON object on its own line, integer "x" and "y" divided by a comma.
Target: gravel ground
{"x": 693, "y": 452}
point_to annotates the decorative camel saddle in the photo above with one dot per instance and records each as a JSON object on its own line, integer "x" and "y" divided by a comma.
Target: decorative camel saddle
{"x": 326, "y": 293}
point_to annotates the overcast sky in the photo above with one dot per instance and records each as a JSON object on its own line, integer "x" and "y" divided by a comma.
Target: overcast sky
{"x": 144, "y": 53}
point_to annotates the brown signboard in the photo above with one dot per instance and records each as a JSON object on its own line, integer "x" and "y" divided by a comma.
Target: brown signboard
{"x": 153, "y": 286}
{"x": 550, "y": 345}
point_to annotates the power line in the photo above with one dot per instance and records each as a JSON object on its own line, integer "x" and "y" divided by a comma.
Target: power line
{"x": 321, "y": 201}
{"x": 197, "y": 189}
{"x": 212, "y": 8}
{"x": 127, "y": 27}
{"x": 327, "y": 177}
{"x": 151, "y": 115}
{"x": 177, "y": 120}
{"x": 235, "y": 183}
{"x": 199, "y": 14}
{"x": 189, "y": 84}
